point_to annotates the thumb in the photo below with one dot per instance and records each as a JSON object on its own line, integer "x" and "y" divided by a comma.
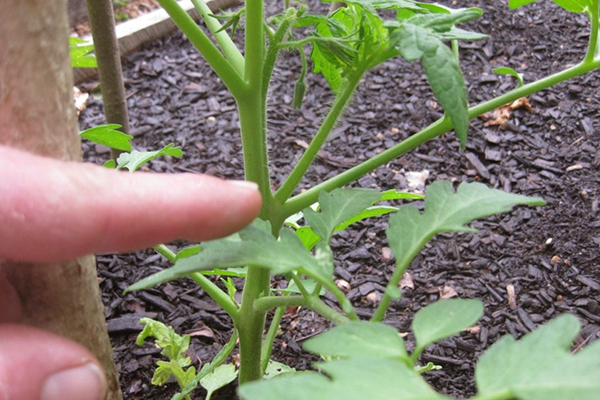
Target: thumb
{"x": 38, "y": 365}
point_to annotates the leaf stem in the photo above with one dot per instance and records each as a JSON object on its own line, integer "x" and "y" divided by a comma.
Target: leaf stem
{"x": 339, "y": 104}
{"x": 205, "y": 46}
{"x": 166, "y": 252}
{"x": 593, "y": 42}
{"x": 267, "y": 346}
{"x": 218, "y": 295}
{"x": 270, "y": 302}
{"x": 230, "y": 50}
{"x": 437, "y": 128}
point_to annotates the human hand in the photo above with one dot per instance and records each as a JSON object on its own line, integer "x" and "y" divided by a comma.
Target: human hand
{"x": 52, "y": 211}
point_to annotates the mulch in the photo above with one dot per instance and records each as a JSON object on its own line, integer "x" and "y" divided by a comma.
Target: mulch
{"x": 527, "y": 266}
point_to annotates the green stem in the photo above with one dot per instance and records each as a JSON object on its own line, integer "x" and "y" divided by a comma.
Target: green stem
{"x": 218, "y": 295}
{"x": 439, "y": 127}
{"x": 455, "y": 49}
{"x": 593, "y": 43}
{"x": 270, "y": 302}
{"x": 273, "y": 52}
{"x": 252, "y": 323}
{"x": 166, "y": 252}
{"x": 209, "y": 51}
{"x": 339, "y": 104}
{"x": 229, "y": 48}
{"x": 255, "y": 43}
{"x": 267, "y": 346}
{"x": 323, "y": 309}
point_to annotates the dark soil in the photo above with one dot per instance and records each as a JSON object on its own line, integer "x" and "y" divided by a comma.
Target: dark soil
{"x": 549, "y": 255}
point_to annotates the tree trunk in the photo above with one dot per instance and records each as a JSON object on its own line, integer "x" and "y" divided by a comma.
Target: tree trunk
{"x": 37, "y": 114}
{"x": 106, "y": 47}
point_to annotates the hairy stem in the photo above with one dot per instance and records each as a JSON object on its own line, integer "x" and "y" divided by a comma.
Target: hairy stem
{"x": 230, "y": 50}
{"x": 593, "y": 42}
{"x": 218, "y": 295}
{"x": 439, "y": 127}
{"x": 205, "y": 46}
{"x": 267, "y": 346}
{"x": 339, "y": 104}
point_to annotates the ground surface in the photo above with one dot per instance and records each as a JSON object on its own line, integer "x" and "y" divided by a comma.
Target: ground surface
{"x": 550, "y": 255}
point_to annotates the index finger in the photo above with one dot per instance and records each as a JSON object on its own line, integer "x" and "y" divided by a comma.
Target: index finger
{"x": 52, "y": 210}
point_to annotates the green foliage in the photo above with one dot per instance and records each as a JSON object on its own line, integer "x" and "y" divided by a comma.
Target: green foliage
{"x": 173, "y": 347}
{"x": 576, "y": 6}
{"x": 541, "y": 366}
{"x": 511, "y": 72}
{"x": 134, "y": 160}
{"x": 108, "y": 135}
{"x": 80, "y": 53}
{"x": 367, "y": 359}
{"x": 218, "y": 378}
{"x": 443, "y": 319}
{"x": 447, "y": 211}
{"x": 359, "y": 339}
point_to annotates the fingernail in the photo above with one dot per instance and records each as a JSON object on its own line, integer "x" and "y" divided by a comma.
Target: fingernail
{"x": 245, "y": 184}
{"x": 86, "y": 382}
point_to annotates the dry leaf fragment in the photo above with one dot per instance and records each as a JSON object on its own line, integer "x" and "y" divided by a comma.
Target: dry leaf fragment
{"x": 473, "y": 330}
{"x": 343, "y": 285}
{"x": 81, "y": 99}
{"x": 407, "y": 281}
{"x": 512, "y": 298}
{"x": 501, "y": 114}
{"x": 386, "y": 253}
{"x": 203, "y": 331}
{"x": 447, "y": 293}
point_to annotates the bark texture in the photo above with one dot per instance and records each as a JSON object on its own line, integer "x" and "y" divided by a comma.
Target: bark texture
{"x": 37, "y": 114}
{"x": 106, "y": 47}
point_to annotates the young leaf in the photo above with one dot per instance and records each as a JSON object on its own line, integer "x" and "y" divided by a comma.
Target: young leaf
{"x": 359, "y": 339}
{"x": 352, "y": 379}
{"x": 512, "y": 4}
{"x": 253, "y": 246}
{"x": 80, "y": 53}
{"x": 443, "y": 319}
{"x": 134, "y": 160}
{"x": 540, "y": 365}
{"x": 172, "y": 344}
{"x": 218, "y": 378}
{"x": 168, "y": 369}
{"x": 443, "y": 72}
{"x": 108, "y": 135}
{"x": 275, "y": 368}
{"x": 576, "y": 6}
{"x": 338, "y": 206}
{"x": 308, "y": 284}
{"x": 511, "y": 72}
{"x": 446, "y": 211}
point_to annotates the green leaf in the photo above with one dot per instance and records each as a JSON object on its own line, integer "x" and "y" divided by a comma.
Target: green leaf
{"x": 275, "y": 368}
{"x": 235, "y": 272}
{"x": 511, "y": 72}
{"x": 188, "y": 252}
{"x": 540, "y": 365}
{"x": 446, "y": 211}
{"x": 576, "y": 6}
{"x": 108, "y": 135}
{"x": 308, "y": 284}
{"x": 443, "y": 319}
{"x": 111, "y": 164}
{"x": 338, "y": 206}
{"x": 254, "y": 246}
{"x": 359, "y": 339}
{"x": 168, "y": 369}
{"x": 308, "y": 237}
{"x": 172, "y": 344}
{"x": 218, "y": 378}
{"x": 397, "y": 195}
{"x": 460, "y": 34}
{"x": 512, "y": 4}
{"x": 352, "y": 379}
{"x": 134, "y": 160}
{"x": 80, "y": 53}
{"x": 443, "y": 72}
{"x": 370, "y": 212}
